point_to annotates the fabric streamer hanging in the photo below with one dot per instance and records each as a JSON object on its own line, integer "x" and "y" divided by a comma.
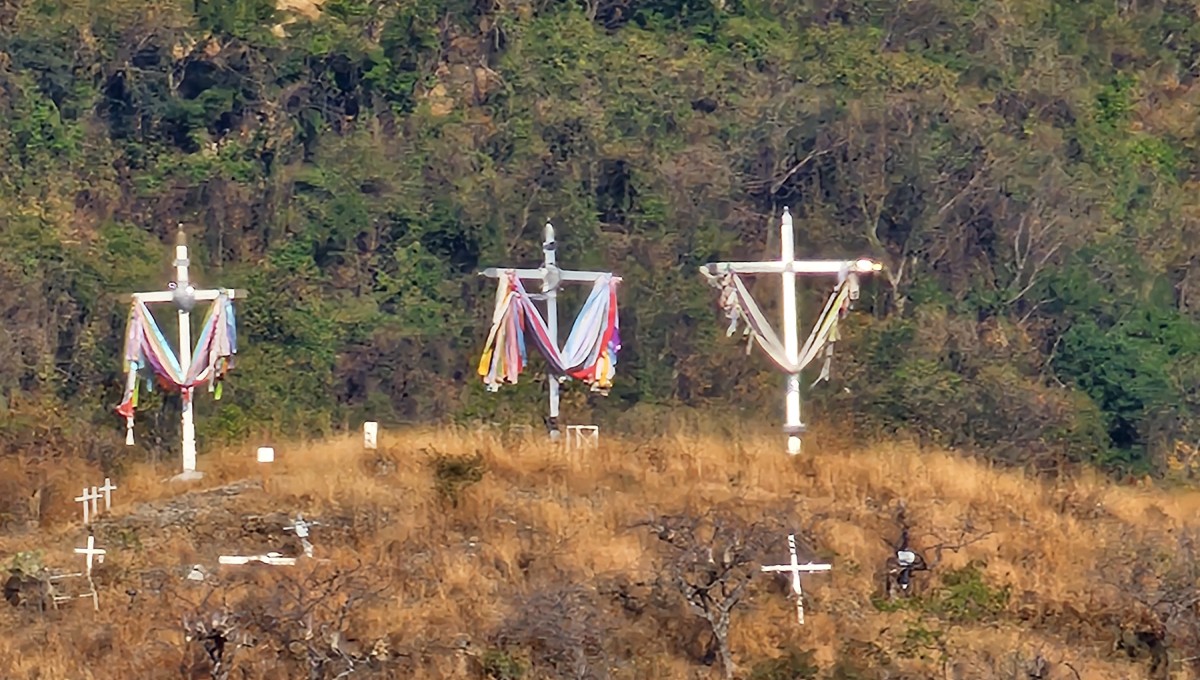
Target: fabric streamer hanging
{"x": 146, "y": 347}
{"x": 739, "y": 307}
{"x": 589, "y": 355}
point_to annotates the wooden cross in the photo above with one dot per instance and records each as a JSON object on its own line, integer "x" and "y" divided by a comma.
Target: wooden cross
{"x": 795, "y": 568}
{"x": 107, "y": 489}
{"x": 185, "y": 296}
{"x": 88, "y": 498}
{"x": 787, "y": 266}
{"x": 551, "y": 277}
{"x": 91, "y": 551}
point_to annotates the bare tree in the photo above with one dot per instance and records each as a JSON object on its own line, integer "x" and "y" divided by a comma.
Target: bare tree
{"x": 564, "y": 627}
{"x": 220, "y": 636}
{"x": 710, "y": 561}
{"x": 1168, "y": 589}
{"x": 302, "y": 617}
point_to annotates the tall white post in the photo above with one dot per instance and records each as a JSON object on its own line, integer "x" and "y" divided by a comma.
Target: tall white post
{"x": 550, "y": 289}
{"x": 184, "y": 289}
{"x": 791, "y": 339}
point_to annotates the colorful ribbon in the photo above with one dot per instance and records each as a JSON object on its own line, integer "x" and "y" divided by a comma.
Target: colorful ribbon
{"x": 589, "y": 355}
{"x": 145, "y": 346}
{"x": 739, "y": 306}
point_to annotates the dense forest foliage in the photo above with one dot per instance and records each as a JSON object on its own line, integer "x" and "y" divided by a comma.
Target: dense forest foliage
{"x": 1027, "y": 170}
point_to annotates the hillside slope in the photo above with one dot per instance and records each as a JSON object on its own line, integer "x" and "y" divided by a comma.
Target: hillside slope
{"x": 482, "y": 558}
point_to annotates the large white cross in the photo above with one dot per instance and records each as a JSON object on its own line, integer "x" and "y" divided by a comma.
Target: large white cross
{"x": 184, "y": 296}
{"x": 787, "y": 266}
{"x": 88, "y": 498}
{"x": 91, "y": 551}
{"x": 550, "y": 276}
{"x": 795, "y": 568}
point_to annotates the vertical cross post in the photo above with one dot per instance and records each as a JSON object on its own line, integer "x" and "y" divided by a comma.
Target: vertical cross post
{"x": 550, "y": 290}
{"x": 791, "y": 336}
{"x": 96, "y": 502}
{"x": 795, "y": 569}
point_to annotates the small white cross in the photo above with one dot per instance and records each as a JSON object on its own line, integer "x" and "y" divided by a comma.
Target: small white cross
{"x": 89, "y": 496}
{"x": 795, "y": 568}
{"x": 107, "y": 489}
{"x": 91, "y": 551}
{"x": 301, "y": 528}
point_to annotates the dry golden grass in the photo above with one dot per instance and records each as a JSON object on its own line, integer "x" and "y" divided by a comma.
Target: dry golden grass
{"x": 540, "y": 516}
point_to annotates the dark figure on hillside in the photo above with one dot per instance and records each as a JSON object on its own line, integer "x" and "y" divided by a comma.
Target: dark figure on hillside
{"x": 900, "y": 567}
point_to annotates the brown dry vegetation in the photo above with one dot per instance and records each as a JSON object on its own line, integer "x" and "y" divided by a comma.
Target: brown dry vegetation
{"x": 541, "y": 565}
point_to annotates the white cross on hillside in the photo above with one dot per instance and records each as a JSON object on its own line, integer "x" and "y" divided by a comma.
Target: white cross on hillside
{"x": 107, "y": 490}
{"x": 550, "y": 277}
{"x": 91, "y": 551}
{"x": 184, "y": 296}
{"x": 88, "y": 498}
{"x": 795, "y": 569}
{"x": 788, "y": 267}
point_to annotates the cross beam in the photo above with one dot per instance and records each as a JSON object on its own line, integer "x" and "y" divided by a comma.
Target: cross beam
{"x": 795, "y": 569}
{"x": 184, "y": 296}
{"x": 550, "y": 276}
{"x": 788, "y": 267}
{"x": 862, "y": 266}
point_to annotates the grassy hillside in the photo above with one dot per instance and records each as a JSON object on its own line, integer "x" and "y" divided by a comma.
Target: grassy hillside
{"x": 451, "y": 555}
